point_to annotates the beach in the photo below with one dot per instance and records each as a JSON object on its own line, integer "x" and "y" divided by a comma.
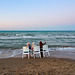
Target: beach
{"x": 43, "y": 66}
{"x": 61, "y": 45}
{"x": 43, "y": 29}
{"x": 59, "y": 63}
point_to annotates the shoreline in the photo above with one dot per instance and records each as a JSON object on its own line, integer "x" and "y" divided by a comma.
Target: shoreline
{"x": 53, "y": 54}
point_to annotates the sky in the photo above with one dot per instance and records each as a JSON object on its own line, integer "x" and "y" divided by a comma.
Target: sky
{"x": 37, "y": 14}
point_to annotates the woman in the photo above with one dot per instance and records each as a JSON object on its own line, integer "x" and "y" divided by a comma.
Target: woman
{"x": 30, "y": 50}
{"x": 33, "y": 44}
{"x": 41, "y": 47}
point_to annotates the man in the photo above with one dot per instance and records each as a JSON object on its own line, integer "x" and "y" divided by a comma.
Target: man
{"x": 41, "y": 47}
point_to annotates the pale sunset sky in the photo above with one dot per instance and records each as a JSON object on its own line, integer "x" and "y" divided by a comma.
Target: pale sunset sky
{"x": 37, "y": 14}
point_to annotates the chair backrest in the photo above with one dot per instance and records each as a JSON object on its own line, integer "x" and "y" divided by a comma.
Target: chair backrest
{"x": 36, "y": 48}
{"x": 25, "y": 49}
{"x": 45, "y": 47}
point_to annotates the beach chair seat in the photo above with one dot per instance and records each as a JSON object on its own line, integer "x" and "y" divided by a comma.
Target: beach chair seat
{"x": 25, "y": 51}
{"x": 36, "y": 51}
{"x": 45, "y": 50}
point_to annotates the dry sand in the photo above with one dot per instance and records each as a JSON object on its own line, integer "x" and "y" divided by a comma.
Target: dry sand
{"x": 43, "y": 66}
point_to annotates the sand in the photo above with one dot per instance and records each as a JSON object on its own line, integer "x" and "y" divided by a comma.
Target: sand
{"x": 43, "y": 66}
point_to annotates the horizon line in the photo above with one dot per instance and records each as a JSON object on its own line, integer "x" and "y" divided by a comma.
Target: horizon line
{"x": 37, "y": 30}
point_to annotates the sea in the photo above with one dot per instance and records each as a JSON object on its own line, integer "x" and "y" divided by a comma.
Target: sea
{"x": 12, "y": 42}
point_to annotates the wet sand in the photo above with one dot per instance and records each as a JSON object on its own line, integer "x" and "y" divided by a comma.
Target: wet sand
{"x": 58, "y": 54}
{"x": 63, "y": 54}
{"x": 43, "y": 66}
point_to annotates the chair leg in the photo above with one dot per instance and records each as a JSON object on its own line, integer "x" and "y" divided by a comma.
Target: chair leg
{"x": 48, "y": 54}
{"x": 44, "y": 54}
{"x": 34, "y": 57}
{"x": 28, "y": 56}
{"x": 22, "y": 56}
{"x": 40, "y": 55}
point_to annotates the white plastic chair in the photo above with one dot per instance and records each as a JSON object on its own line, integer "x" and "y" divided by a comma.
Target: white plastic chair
{"x": 25, "y": 51}
{"x": 45, "y": 50}
{"x": 36, "y": 51}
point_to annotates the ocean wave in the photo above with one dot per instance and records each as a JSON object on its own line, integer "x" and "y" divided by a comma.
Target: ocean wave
{"x": 29, "y": 34}
{"x": 18, "y": 35}
{"x": 37, "y": 36}
{"x": 9, "y": 38}
{"x": 1, "y": 52}
{"x": 21, "y": 37}
{"x": 67, "y": 37}
{"x": 16, "y": 52}
{"x": 70, "y": 49}
{"x": 9, "y": 53}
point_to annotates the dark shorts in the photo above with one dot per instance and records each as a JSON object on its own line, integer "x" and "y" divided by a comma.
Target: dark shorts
{"x": 41, "y": 51}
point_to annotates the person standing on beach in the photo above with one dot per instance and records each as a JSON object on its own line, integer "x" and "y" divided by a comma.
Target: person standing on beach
{"x": 41, "y": 47}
